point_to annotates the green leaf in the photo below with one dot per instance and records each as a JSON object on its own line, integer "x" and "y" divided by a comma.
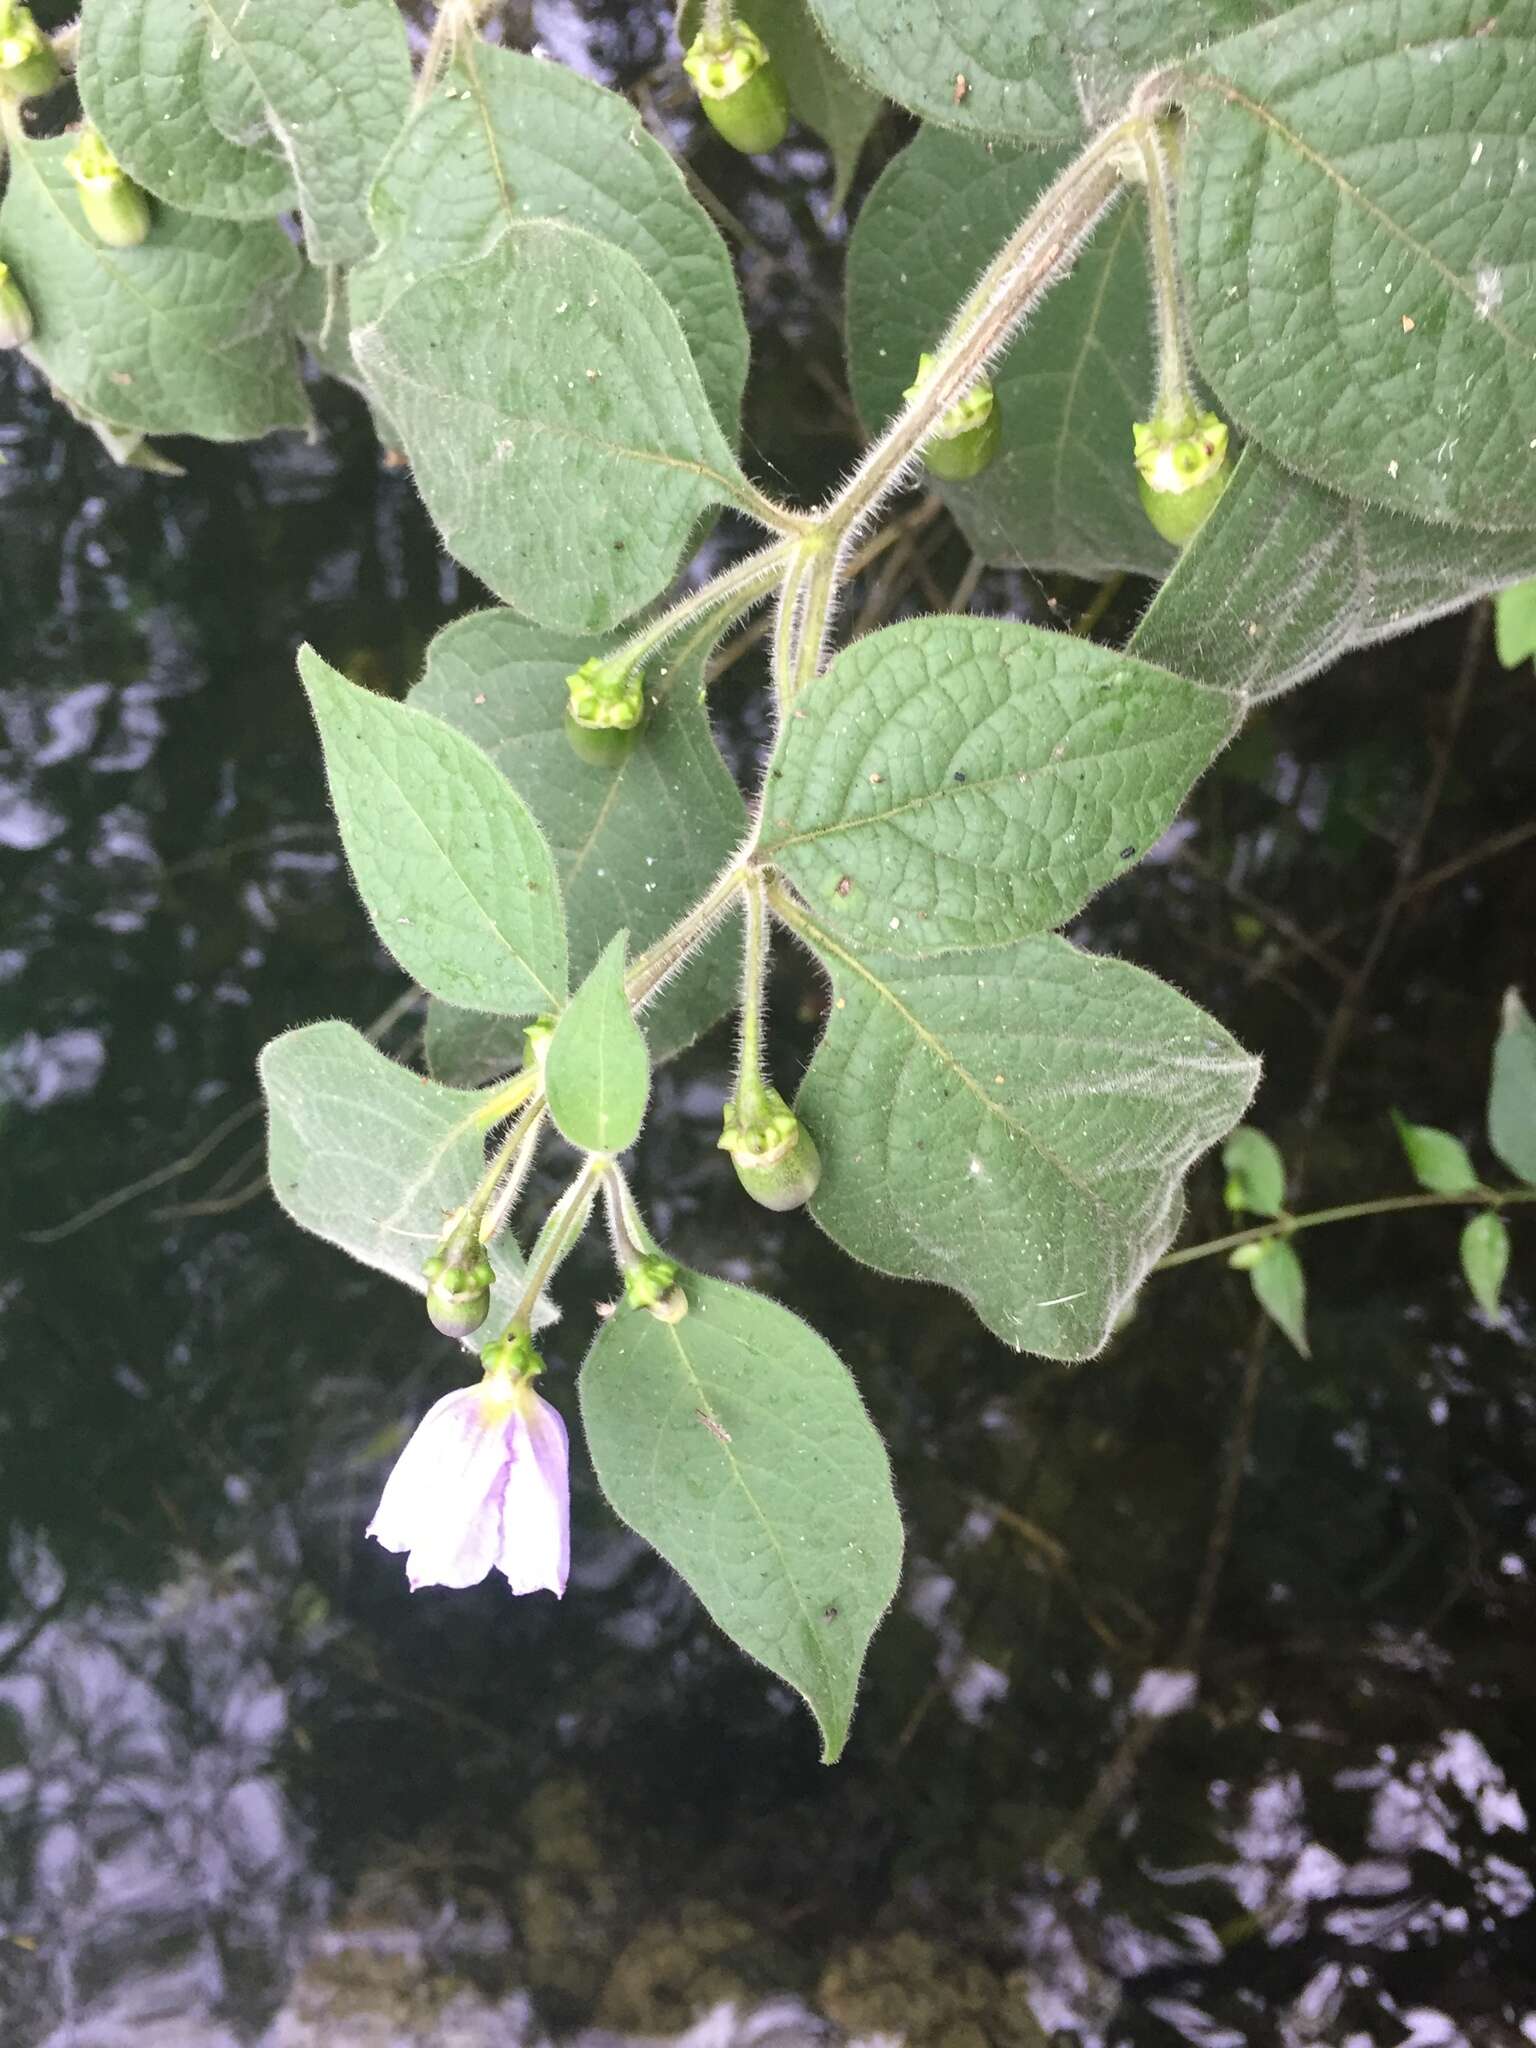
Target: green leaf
{"x": 1485, "y": 1259}
{"x": 1354, "y": 228}
{"x": 1061, "y": 492}
{"x": 1514, "y": 624}
{"x": 1439, "y": 1161}
{"x": 187, "y": 334}
{"x": 323, "y": 89}
{"x": 1015, "y": 1124}
{"x": 1280, "y": 1286}
{"x": 1255, "y": 1172}
{"x": 446, "y": 856}
{"x": 1512, "y": 1090}
{"x": 1284, "y": 577}
{"x": 1036, "y": 70}
{"x": 508, "y": 138}
{"x": 565, "y": 454}
{"x": 963, "y": 782}
{"x": 735, "y": 1442}
{"x": 597, "y": 1072}
{"x": 635, "y": 844}
{"x": 372, "y": 1157}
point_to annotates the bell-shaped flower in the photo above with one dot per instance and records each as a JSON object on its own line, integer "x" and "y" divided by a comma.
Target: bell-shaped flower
{"x": 484, "y": 1481}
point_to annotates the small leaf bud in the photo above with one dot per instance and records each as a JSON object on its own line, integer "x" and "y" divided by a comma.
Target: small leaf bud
{"x": 116, "y": 210}
{"x": 967, "y": 436}
{"x": 739, "y": 88}
{"x": 606, "y": 696}
{"x": 603, "y": 747}
{"x": 1247, "y": 1256}
{"x": 28, "y": 66}
{"x": 16, "y": 322}
{"x": 651, "y": 1283}
{"x": 774, "y": 1155}
{"x": 1181, "y": 467}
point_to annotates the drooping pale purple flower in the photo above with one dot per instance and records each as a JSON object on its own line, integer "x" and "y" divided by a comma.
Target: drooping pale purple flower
{"x": 484, "y": 1481}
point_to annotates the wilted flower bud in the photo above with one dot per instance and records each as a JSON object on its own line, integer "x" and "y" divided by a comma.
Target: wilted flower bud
{"x": 115, "y": 209}
{"x": 16, "y": 323}
{"x": 967, "y": 436}
{"x": 606, "y": 696}
{"x": 739, "y": 88}
{"x": 1181, "y": 467}
{"x": 28, "y": 67}
{"x": 774, "y": 1155}
{"x": 651, "y": 1283}
{"x": 484, "y": 1481}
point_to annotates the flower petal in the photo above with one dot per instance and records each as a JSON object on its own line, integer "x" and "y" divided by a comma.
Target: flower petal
{"x": 444, "y": 1440}
{"x": 535, "y": 1548}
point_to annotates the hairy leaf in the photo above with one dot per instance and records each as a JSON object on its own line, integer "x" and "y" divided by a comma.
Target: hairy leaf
{"x": 962, "y": 782}
{"x": 1061, "y": 491}
{"x": 635, "y": 844}
{"x": 507, "y": 139}
{"x": 597, "y": 1073}
{"x": 1036, "y": 70}
{"x": 371, "y": 1156}
{"x": 238, "y": 107}
{"x": 567, "y": 453}
{"x": 1284, "y": 577}
{"x": 447, "y": 857}
{"x": 735, "y": 1442}
{"x": 1015, "y": 1124}
{"x": 1512, "y": 1091}
{"x": 1355, "y": 231}
{"x": 187, "y": 334}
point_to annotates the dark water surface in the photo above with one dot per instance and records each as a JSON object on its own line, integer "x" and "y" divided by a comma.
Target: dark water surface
{"x": 1206, "y": 1712}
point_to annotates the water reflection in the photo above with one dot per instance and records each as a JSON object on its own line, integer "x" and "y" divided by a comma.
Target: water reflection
{"x": 1145, "y": 1753}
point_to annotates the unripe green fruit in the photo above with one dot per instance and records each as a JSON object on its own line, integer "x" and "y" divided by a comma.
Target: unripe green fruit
{"x": 606, "y": 696}
{"x": 1181, "y": 468}
{"x": 651, "y": 1283}
{"x": 967, "y": 455}
{"x": 598, "y": 746}
{"x": 740, "y": 90}
{"x": 116, "y": 210}
{"x": 16, "y": 322}
{"x": 967, "y": 436}
{"x": 28, "y": 67}
{"x": 774, "y": 1155}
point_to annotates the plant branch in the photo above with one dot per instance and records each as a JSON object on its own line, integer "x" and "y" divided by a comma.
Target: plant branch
{"x": 1348, "y": 1212}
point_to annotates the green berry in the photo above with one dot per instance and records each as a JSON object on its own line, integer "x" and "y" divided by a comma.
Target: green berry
{"x": 16, "y": 323}
{"x": 606, "y": 696}
{"x": 115, "y": 209}
{"x": 28, "y": 67}
{"x": 1181, "y": 468}
{"x": 774, "y": 1155}
{"x": 598, "y": 746}
{"x": 967, "y": 437}
{"x": 651, "y": 1283}
{"x": 739, "y": 88}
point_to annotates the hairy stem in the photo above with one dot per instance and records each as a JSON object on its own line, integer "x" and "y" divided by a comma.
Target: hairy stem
{"x": 657, "y": 962}
{"x": 516, "y": 1155}
{"x": 1349, "y": 1212}
{"x": 562, "y": 1227}
{"x": 722, "y": 601}
{"x": 1175, "y": 397}
{"x": 754, "y": 978}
